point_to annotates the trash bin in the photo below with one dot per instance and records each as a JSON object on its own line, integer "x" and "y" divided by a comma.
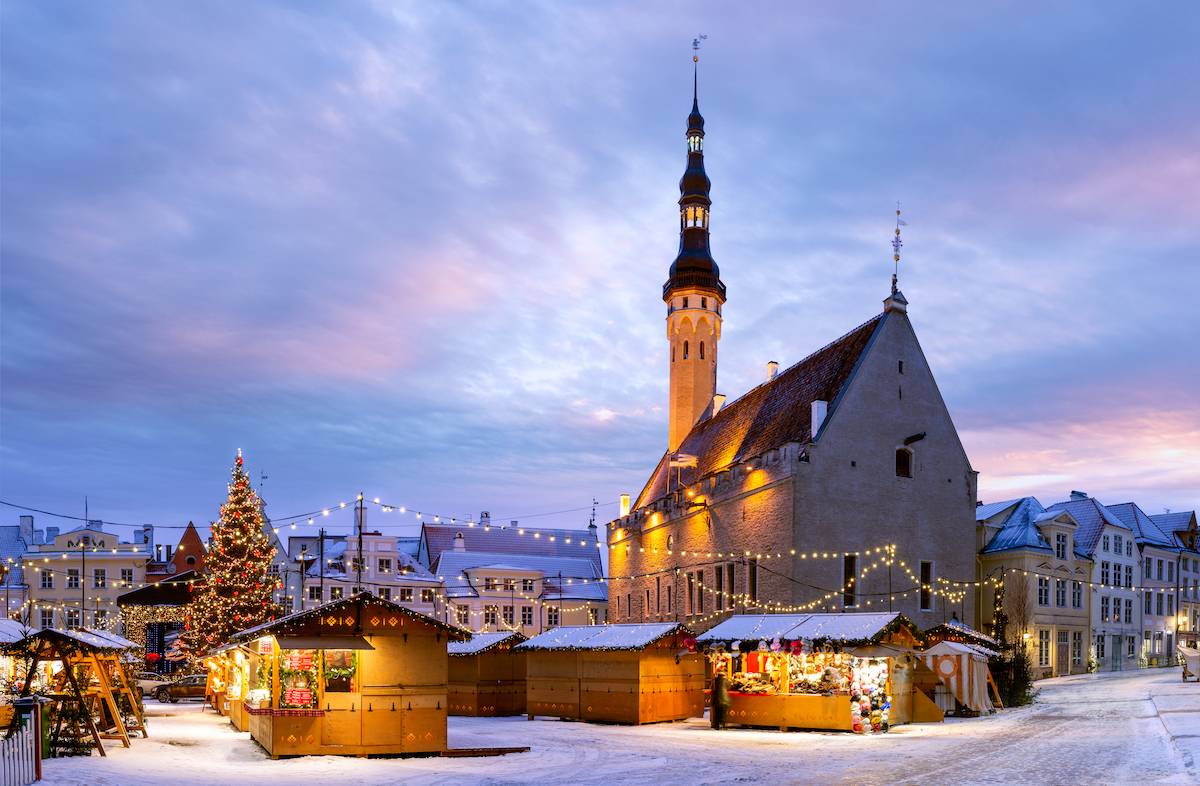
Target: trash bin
{"x": 25, "y": 707}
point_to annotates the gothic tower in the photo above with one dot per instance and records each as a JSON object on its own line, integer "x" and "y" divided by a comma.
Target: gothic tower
{"x": 693, "y": 293}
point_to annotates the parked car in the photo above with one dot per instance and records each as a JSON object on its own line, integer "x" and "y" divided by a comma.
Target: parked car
{"x": 190, "y": 687}
{"x": 148, "y": 682}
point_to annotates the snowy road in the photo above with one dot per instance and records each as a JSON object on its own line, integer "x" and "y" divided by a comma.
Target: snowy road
{"x": 1143, "y": 728}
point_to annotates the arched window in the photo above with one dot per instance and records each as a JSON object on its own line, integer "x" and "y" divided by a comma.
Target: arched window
{"x": 191, "y": 561}
{"x": 695, "y": 143}
{"x": 670, "y": 541}
{"x": 702, "y": 350}
{"x": 685, "y": 350}
{"x": 672, "y": 353}
{"x": 703, "y": 302}
{"x": 904, "y": 458}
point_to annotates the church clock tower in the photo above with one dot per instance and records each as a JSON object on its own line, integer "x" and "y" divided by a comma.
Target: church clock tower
{"x": 694, "y": 293}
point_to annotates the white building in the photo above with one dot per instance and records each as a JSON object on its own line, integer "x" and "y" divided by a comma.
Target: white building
{"x": 382, "y": 567}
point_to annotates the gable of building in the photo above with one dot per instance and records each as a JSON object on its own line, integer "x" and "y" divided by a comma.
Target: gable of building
{"x": 772, "y": 414}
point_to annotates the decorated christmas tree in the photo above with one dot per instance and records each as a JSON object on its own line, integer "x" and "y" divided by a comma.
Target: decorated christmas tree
{"x": 236, "y": 589}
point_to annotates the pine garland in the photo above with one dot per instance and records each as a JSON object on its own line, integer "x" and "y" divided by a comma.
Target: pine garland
{"x": 237, "y": 588}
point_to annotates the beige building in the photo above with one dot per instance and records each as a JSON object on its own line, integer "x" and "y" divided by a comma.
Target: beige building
{"x": 386, "y": 571}
{"x": 1038, "y": 558}
{"x": 793, "y": 496}
{"x": 75, "y": 577}
{"x": 527, "y": 593}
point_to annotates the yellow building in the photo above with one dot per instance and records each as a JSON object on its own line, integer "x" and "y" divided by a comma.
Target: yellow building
{"x": 74, "y": 579}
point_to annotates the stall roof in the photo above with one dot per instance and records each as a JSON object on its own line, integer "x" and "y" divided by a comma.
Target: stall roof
{"x": 954, "y": 628}
{"x": 281, "y": 626}
{"x": 119, "y": 641}
{"x": 602, "y": 637}
{"x": 12, "y": 631}
{"x": 340, "y": 642}
{"x": 851, "y": 627}
{"x": 77, "y": 639}
{"x": 482, "y": 642}
{"x": 959, "y": 648}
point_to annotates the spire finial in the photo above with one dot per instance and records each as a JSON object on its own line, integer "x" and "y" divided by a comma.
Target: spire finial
{"x": 696, "y": 71}
{"x": 896, "y": 245}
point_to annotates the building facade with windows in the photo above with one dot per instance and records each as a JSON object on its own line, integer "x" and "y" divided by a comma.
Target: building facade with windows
{"x": 1045, "y": 574}
{"x": 1181, "y": 526}
{"x": 526, "y": 593}
{"x": 386, "y": 571}
{"x": 1116, "y": 602}
{"x": 1162, "y": 578}
{"x": 845, "y": 454}
{"x": 76, "y": 577}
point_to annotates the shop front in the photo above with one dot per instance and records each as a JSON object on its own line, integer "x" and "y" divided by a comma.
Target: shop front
{"x": 839, "y": 672}
{"x": 357, "y": 676}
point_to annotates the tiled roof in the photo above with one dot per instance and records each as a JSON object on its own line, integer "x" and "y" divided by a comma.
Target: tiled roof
{"x": 438, "y": 539}
{"x": 12, "y": 546}
{"x": 581, "y": 577}
{"x": 1144, "y": 530}
{"x": 1091, "y": 517}
{"x": 774, "y": 413}
{"x": 1173, "y": 522}
{"x": 1019, "y": 529}
{"x": 985, "y": 512}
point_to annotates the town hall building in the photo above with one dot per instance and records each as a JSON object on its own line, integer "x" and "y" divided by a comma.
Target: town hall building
{"x": 839, "y": 483}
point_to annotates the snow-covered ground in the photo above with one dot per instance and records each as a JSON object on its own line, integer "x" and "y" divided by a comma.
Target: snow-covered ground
{"x": 1140, "y": 727}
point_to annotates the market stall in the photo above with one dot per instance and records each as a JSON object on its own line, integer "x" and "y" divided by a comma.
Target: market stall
{"x": 845, "y": 672}
{"x": 641, "y": 673}
{"x": 359, "y": 676}
{"x": 228, "y": 683}
{"x": 487, "y": 677}
{"x": 963, "y": 670}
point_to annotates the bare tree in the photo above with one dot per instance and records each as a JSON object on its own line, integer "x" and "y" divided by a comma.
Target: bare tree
{"x": 1018, "y": 606}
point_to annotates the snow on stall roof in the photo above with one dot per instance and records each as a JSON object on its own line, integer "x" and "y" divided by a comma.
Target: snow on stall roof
{"x": 602, "y": 637}
{"x": 854, "y": 626}
{"x": 107, "y": 635}
{"x": 480, "y": 642}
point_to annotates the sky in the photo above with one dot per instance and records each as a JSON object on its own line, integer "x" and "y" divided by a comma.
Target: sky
{"x": 417, "y": 249}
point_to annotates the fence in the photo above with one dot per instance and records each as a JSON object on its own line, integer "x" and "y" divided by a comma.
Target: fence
{"x": 20, "y": 755}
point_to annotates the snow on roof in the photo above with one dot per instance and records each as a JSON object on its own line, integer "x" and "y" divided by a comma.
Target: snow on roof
{"x": 956, "y": 648}
{"x": 581, "y": 578}
{"x": 1018, "y": 530}
{"x": 12, "y": 631}
{"x": 602, "y": 637}
{"x": 984, "y": 512}
{"x": 1145, "y": 531}
{"x": 1092, "y": 517}
{"x": 854, "y": 626}
{"x": 480, "y": 642}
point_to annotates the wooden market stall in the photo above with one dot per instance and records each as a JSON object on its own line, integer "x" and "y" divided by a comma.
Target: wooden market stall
{"x": 75, "y": 669}
{"x": 227, "y": 683}
{"x": 359, "y": 676}
{"x": 638, "y": 673}
{"x": 487, "y": 677}
{"x": 844, "y": 672}
{"x": 963, "y": 670}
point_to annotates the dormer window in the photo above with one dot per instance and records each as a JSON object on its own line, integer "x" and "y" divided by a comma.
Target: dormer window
{"x": 695, "y": 143}
{"x": 1060, "y": 545}
{"x": 693, "y": 216}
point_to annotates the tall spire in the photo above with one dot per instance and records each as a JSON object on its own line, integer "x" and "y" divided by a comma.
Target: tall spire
{"x": 694, "y": 266}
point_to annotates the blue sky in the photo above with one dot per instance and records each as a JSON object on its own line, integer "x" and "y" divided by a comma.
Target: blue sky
{"x": 417, "y": 249}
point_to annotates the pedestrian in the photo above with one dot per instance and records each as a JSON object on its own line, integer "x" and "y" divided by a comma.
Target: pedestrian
{"x": 720, "y": 700}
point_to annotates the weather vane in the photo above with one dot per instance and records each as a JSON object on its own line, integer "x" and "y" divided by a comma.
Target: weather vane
{"x": 696, "y": 47}
{"x": 896, "y": 245}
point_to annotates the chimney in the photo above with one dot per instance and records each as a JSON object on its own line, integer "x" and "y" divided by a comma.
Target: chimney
{"x": 624, "y": 505}
{"x": 148, "y": 534}
{"x": 719, "y": 401}
{"x": 460, "y": 543}
{"x": 26, "y": 530}
{"x": 1078, "y": 495}
{"x": 51, "y": 534}
{"x": 485, "y": 518}
{"x": 819, "y": 409}
{"x": 772, "y": 369}
{"x": 513, "y": 523}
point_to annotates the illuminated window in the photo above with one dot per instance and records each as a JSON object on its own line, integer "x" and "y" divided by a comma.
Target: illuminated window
{"x": 694, "y": 216}
{"x": 903, "y": 463}
{"x": 695, "y": 143}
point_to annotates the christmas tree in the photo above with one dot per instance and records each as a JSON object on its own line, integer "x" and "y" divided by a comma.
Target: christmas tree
{"x": 236, "y": 590}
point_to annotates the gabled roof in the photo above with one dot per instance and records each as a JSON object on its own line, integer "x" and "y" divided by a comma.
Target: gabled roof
{"x": 284, "y": 625}
{"x": 482, "y": 642}
{"x": 1145, "y": 531}
{"x": 12, "y": 546}
{"x": 771, "y": 415}
{"x": 437, "y": 539}
{"x": 1174, "y": 522}
{"x": 843, "y": 628}
{"x": 985, "y": 512}
{"x": 634, "y": 636}
{"x": 1019, "y": 528}
{"x": 581, "y": 578}
{"x": 1091, "y": 517}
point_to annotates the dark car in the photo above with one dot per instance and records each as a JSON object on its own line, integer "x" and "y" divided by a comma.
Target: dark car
{"x": 191, "y": 687}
